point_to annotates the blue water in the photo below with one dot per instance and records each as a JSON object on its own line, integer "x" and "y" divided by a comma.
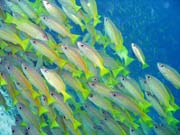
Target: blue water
{"x": 155, "y": 26}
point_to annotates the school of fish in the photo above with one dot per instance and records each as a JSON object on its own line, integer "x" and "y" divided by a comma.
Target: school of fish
{"x": 66, "y": 83}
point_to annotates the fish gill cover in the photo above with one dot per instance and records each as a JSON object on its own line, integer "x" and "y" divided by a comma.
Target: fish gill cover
{"x": 87, "y": 68}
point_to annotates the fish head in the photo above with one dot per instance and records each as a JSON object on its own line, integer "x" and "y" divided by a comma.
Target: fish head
{"x": 44, "y": 18}
{"x": 44, "y": 71}
{"x": 160, "y": 66}
{"x": 132, "y": 130}
{"x": 46, "y": 3}
{"x": 148, "y": 94}
{"x": 92, "y": 84}
{"x": 20, "y": 107}
{"x": 133, "y": 45}
{"x": 113, "y": 94}
{"x": 91, "y": 96}
{"x": 148, "y": 77}
{"x": 64, "y": 48}
{"x": 81, "y": 46}
{"x": 34, "y": 42}
{"x": 24, "y": 66}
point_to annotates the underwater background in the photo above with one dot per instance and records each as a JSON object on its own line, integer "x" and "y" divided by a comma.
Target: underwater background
{"x": 152, "y": 24}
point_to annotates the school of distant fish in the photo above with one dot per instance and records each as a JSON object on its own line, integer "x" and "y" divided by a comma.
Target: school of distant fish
{"x": 62, "y": 84}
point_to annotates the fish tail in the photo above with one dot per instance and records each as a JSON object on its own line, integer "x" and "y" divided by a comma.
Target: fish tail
{"x": 97, "y": 20}
{"x": 117, "y": 71}
{"x": 74, "y": 38}
{"x": 51, "y": 100}
{"x": 83, "y": 27}
{"x": 61, "y": 62}
{"x": 77, "y": 8}
{"x": 77, "y": 73}
{"x": 172, "y": 121}
{"x": 170, "y": 108}
{"x": 145, "y": 66}
{"x": 35, "y": 94}
{"x": 128, "y": 60}
{"x": 76, "y": 124}
{"x": 42, "y": 110}
{"x": 15, "y": 101}
{"x": 43, "y": 124}
{"x": 54, "y": 124}
{"x": 85, "y": 93}
{"x": 125, "y": 72}
{"x": 89, "y": 75}
{"x": 135, "y": 125}
{"x": 146, "y": 119}
{"x": 66, "y": 96}
{"x": 144, "y": 105}
{"x": 24, "y": 43}
{"x": 104, "y": 71}
{"x": 2, "y": 81}
{"x": 9, "y": 18}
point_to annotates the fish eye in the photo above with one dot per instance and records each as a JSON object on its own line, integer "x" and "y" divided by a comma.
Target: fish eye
{"x": 45, "y": 36}
{"x": 148, "y": 76}
{"x": 114, "y": 94}
{"x": 52, "y": 94}
{"x": 82, "y": 45}
{"x": 103, "y": 112}
{"x": 65, "y": 47}
{"x": 13, "y": 131}
{"x": 28, "y": 128}
{"x": 44, "y": 17}
{"x": 123, "y": 78}
{"x": 156, "y": 126}
{"x": 91, "y": 95}
{"x": 161, "y": 65}
{"x": 45, "y": 70}
{"x": 132, "y": 130}
{"x": 17, "y": 83}
{"x": 64, "y": 117}
{"x": 34, "y": 41}
{"x": 25, "y": 67}
{"x": 20, "y": 107}
{"x": 93, "y": 84}
{"x": 105, "y": 118}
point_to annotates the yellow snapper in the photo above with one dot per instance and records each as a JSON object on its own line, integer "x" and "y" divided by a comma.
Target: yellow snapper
{"x": 54, "y": 79}
{"x": 76, "y": 84}
{"x": 135, "y": 92}
{"x": 139, "y": 54}
{"x": 74, "y": 56}
{"x": 170, "y": 74}
{"x": 56, "y": 26}
{"x": 37, "y": 81}
{"x": 14, "y": 7}
{"x": 116, "y": 38}
{"x": 55, "y": 11}
{"x": 9, "y": 34}
{"x": 51, "y": 113}
{"x": 159, "y": 109}
{"x": 90, "y": 7}
{"x": 160, "y": 91}
{"x": 74, "y": 17}
{"x": 70, "y": 3}
{"x": 28, "y": 10}
{"x": 17, "y": 130}
{"x": 104, "y": 104}
{"x": 127, "y": 103}
{"x": 64, "y": 109}
{"x": 27, "y": 27}
{"x": 93, "y": 56}
{"x": 48, "y": 52}
{"x": 28, "y": 116}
